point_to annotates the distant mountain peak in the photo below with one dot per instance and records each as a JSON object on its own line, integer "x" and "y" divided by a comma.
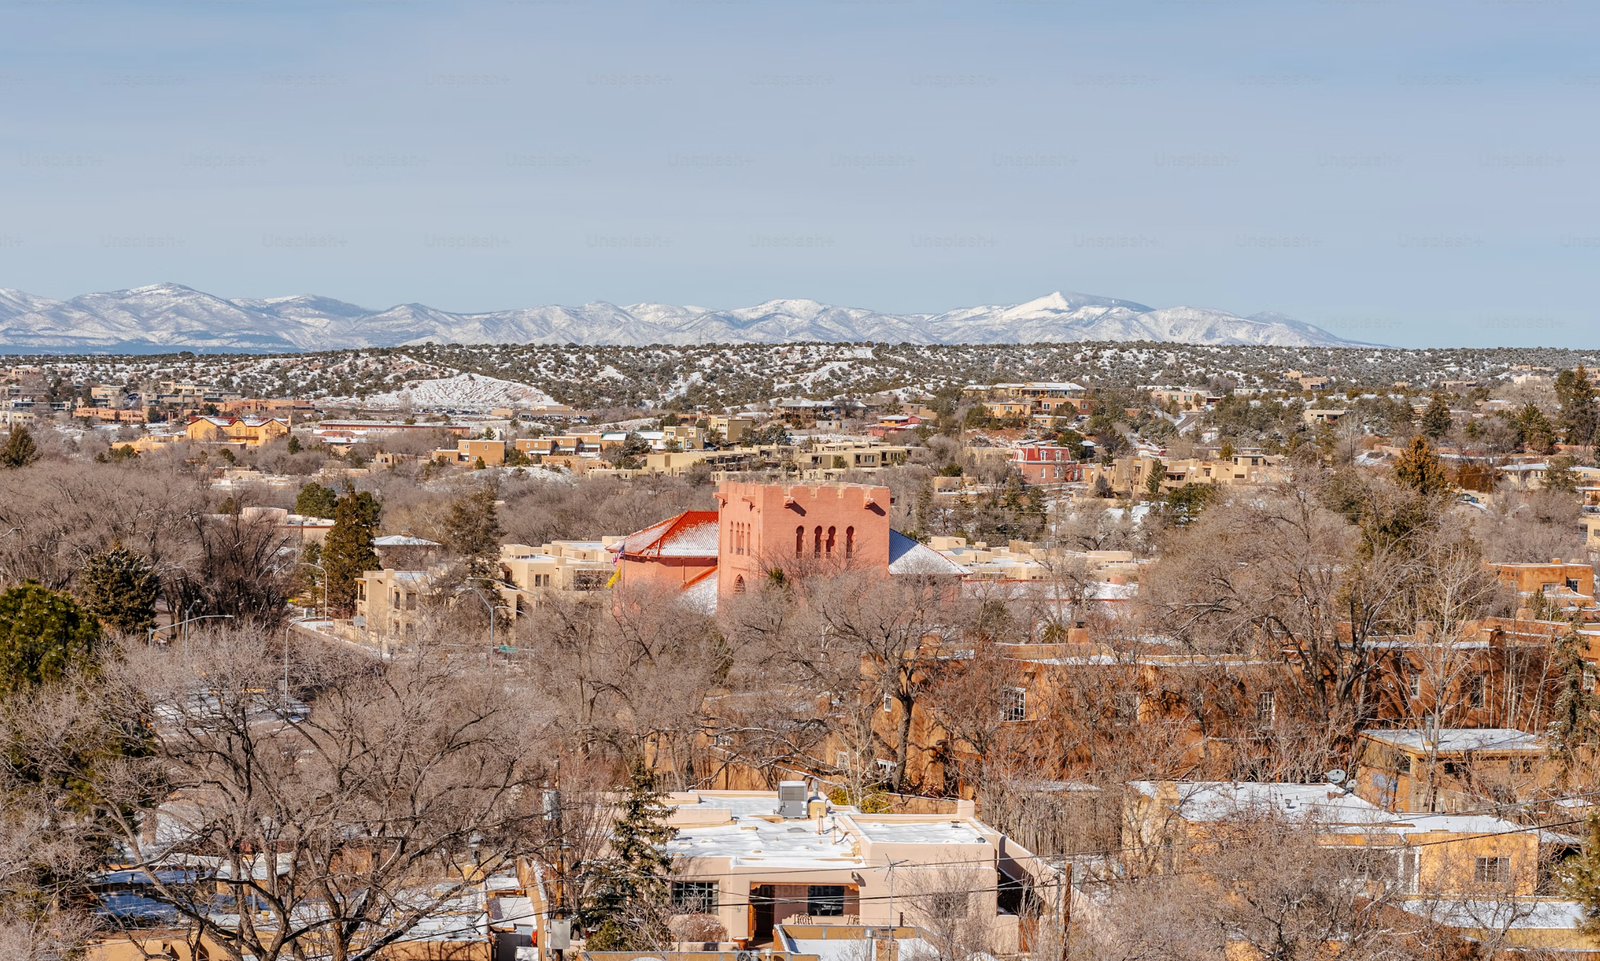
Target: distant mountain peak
{"x": 171, "y": 316}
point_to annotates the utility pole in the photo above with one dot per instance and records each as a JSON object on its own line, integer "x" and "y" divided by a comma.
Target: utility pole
{"x": 1066, "y": 907}
{"x": 558, "y": 931}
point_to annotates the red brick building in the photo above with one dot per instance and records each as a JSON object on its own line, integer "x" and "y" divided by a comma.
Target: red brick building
{"x": 1046, "y": 464}
{"x": 762, "y": 527}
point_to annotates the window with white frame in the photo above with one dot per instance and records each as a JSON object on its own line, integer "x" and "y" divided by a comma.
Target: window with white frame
{"x": 1013, "y": 704}
{"x": 1266, "y": 706}
{"x": 1491, "y": 870}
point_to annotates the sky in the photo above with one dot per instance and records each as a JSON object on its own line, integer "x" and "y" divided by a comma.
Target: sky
{"x": 1397, "y": 171}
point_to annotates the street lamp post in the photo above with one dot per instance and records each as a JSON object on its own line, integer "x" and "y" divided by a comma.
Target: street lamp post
{"x": 150, "y": 638}
{"x": 286, "y": 629}
{"x": 324, "y": 571}
{"x": 491, "y": 607}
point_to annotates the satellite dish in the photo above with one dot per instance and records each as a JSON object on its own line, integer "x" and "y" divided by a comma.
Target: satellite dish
{"x": 1335, "y": 776}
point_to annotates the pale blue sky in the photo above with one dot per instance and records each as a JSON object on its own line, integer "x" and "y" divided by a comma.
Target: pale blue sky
{"x": 1406, "y": 172}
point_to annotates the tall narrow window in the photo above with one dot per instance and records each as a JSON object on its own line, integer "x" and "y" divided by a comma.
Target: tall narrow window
{"x": 799, "y": 541}
{"x": 849, "y": 542}
{"x": 830, "y": 541}
{"x": 816, "y": 542}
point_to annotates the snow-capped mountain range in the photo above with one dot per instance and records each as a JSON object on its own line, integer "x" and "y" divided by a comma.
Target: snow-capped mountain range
{"x": 166, "y": 317}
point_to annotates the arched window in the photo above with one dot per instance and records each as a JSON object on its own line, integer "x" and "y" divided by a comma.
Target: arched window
{"x": 738, "y": 584}
{"x": 849, "y": 542}
{"x": 799, "y": 540}
{"x": 816, "y": 542}
{"x": 830, "y": 541}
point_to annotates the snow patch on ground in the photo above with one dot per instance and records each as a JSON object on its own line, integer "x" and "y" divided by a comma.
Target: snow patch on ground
{"x": 472, "y": 392}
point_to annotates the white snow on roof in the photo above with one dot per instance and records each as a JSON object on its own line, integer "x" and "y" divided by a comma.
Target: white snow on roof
{"x": 402, "y": 540}
{"x": 1214, "y": 800}
{"x": 906, "y": 556}
{"x": 1463, "y": 739}
{"x": 853, "y": 949}
{"x": 702, "y": 595}
{"x": 750, "y": 841}
{"x": 696, "y": 540}
{"x": 1497, "y": 915}
{"x": 1338, "y": 812}
{"x": 921, "y": 832}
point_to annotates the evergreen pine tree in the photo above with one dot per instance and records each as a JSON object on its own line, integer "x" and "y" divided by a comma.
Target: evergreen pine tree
{"x": 20, "y": 450}
{"x": 1436, "y": 419}
{"x": 1559, "y": 475}
{"x": 1572, "y": 725}
{"x": 1534, "y": 430}
{"x": 1419, "y": 469}
{"x": 631, "y": 896}
{"x": 1152, "y": 484}
{"x": 314, "y": 500}
{"x": 1580, "y": 405}
{"x": 44, "y": 636}
{"x": 118, "y": 586}
{"x": 472, "y": 530}
{"x": 1580, "y": 875}
{"x": 347, "y": 552}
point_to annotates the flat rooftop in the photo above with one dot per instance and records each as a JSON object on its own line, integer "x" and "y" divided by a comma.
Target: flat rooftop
{"x": 1456, "y": 739}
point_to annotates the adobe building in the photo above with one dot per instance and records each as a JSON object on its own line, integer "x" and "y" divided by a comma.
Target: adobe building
{"x": 248, "y": 431}
{"x": 760, "y": 860}
{"x": 1567, "y": 587}
{"x": 1172, "y": 826}
{"x": 1451, "y": 769}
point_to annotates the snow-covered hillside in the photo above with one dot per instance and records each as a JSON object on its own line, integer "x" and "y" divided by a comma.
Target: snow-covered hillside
{"x": 468, "y": 392}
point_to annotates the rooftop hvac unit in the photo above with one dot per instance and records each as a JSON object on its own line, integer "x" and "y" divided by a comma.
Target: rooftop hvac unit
{"x": 792, "y": 797}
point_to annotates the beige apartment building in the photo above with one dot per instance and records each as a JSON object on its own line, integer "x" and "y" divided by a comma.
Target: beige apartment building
{"x": 567, "y": 567}
{"x": 732, "y": 428}
{"x": 1128, "y": 475}
{"x": 492, "y": 452}
{"x": 389, "y": 603}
